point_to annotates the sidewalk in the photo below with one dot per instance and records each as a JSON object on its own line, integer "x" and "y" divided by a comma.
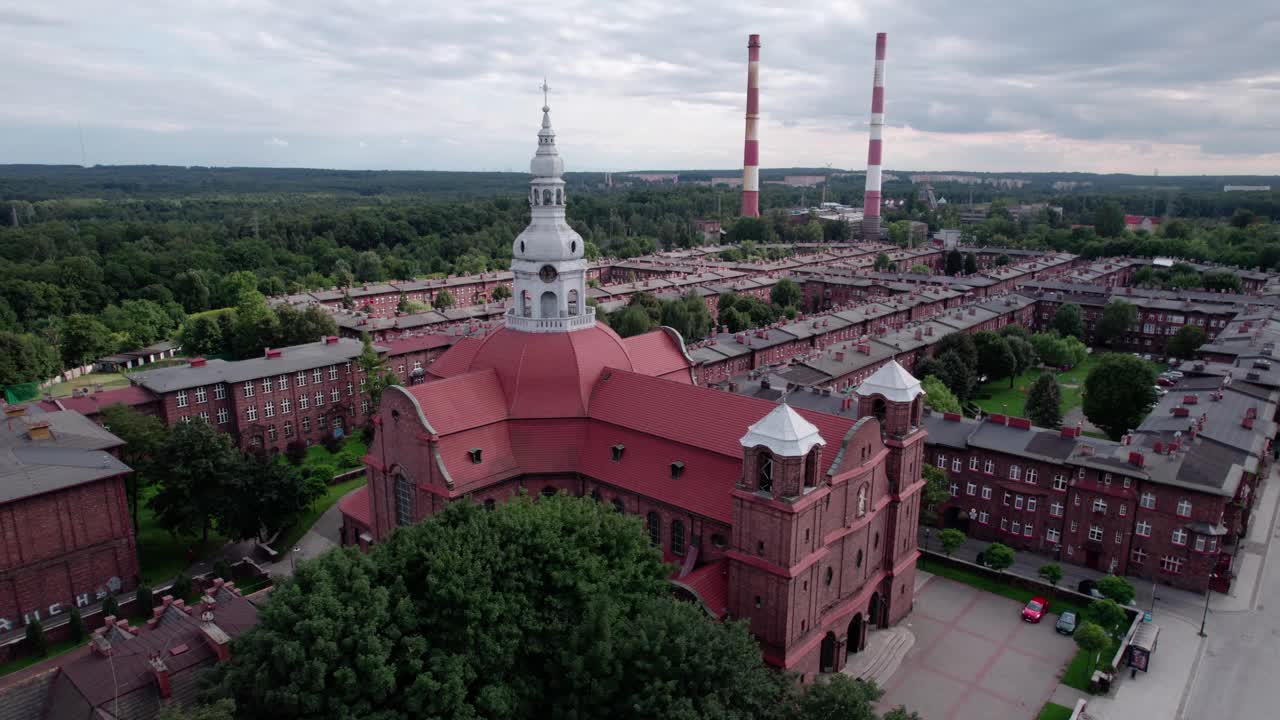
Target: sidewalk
{"x": 1158, "y": 693}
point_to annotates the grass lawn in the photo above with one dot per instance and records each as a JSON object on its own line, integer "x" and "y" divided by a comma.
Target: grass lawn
{"x": 1080, "y": 671}
{"x": 997, "y": 397}
{"x": 332, "y": 495}
{"x": 1054, "y": 711}
{"x": 992, "y": 585}
{"x": 55, "y": 649}
{"x": 106, "y": 380}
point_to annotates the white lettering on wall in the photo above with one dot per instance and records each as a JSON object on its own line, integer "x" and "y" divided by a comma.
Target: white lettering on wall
{"x": 55, "y": 609}
{"x": 28, "y": 617}
{"x": 5, "y": 625}
{"x": 82, "y": 600}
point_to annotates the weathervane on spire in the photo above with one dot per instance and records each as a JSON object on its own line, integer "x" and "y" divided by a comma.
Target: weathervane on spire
{"x": 545, "y": 105}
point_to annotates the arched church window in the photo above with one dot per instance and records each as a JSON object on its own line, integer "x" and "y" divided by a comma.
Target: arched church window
{"x": 654, "y": 523}
{"x": 677, "y": 537}
{"x": 862, "y": 501}
{"x": 879, "y": 409}
{"x": 573, "y": 302}
{"x": 764, "y": 472}
{"x": 546, "y": 196}
{"x": 811, "y": 469}
{"x": 404, "y": 501}
{"x": 533, "y": 196}
{"x": 550, "y": 308}
{"x": 559, "y": 196}
{"x": 548, "y": 491}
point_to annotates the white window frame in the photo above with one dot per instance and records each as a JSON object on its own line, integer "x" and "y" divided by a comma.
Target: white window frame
{"x": 1095, "y": 533}
{"x": 303, "y": 402}
{"x": 1017, "y": 502}
{"x": 1178, "y": 537}
{"x": 1184, "y": 508}
{"x": 219, "y": 392}
{"x": 1059, "y": 482}
{"x": 251, "y": 413}
{"x": 248, "y": 388}
{"x": 1032, "y": 475}
{"x": 986, "y": 492}
{"x": 1148, "y": 500}
{"x": 269, "y": 409}
{"x": 316, "y": 376}
{"x": 202, "y": 395}
{"x": 318, "y": 399}
{"x": 282, "y": 383}
{"x": 334, "y": 395}
{"x": 1053, "y": 535}
{"x": 285, "y": 406}
{"x": 181, "y": 397}
{"x": 1055, "y": 508}
{"x": 223, "y": 416}
{"x": 984, "y": 517}
{"x": 1199, "y": 543}
{"x": 973, "y": 463}
{"x": 1142, "y": 528}
{"x": 1031, "y": 504}
{"x": 942, "y": 461}
{"x": 266, "y": 385}
{"x": 333, "y": 372}
{"x": 971, "y": 489}
{"x": 1138, "y": 556}
{"x": 300, "y": 379}
{"x": 989, "y": 467}
{"x": 1015, "y": 472}
{"x": 1100, "y": 506}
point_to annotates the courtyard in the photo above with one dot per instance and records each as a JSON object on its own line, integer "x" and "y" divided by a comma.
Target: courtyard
{"x": 974, "y": 658}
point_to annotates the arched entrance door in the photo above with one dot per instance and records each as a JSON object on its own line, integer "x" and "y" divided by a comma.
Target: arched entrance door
{"x": 854, "y": 643}
{"x": 829, "y": 653}
{"x": 873, "y": 610}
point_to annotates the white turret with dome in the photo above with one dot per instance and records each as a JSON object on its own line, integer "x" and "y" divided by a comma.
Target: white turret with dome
{"x": 546, "y": 259}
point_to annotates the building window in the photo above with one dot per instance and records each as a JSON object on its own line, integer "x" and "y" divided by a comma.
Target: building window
{"x": 1171, "y": 564}
{"x": 617, "y": 452}
{"x": 1106, "y": 478}
{"x": 1055, "y": 508}
{"x": 333, "y": 372}
{"x": 1059, "y": 482}
{"x": 1099, "y": 505}
{"x": 1015, "y": 472}
{"x": 269, "y": 409}
{"x": 204, "y": 415}
{"x": 251, "y": 413}
{"x": 271, "y": 433}
{"x": 973, "y": 463}
{"x": 677, "y": 538}
{"x": 654, "y": 525}
{"x": 942, "y": 461}
{"x": 1027, "y": 531}
{"x": 306, "y": 424}
{"x": 1138, "y": 555}
{"x": 955, "y": 489}
{"x": 322, "y": 423}
{"x": 319, "y": 399}
{"x": 1031, "y": 503}
{"x": 364, "y": 407}
{"x": 476, "y": 455}
{"x": 404, "y": 501}
{"x": 1142, "y": 528}
{"x": 282, "y": 383}
{"x": 182, "y": 398}
{"x": 223, "y": 416}
{"x": 219, "y": 392}
{"x": 1052, "y": 535}
{"x": 1184, "y": 508}
{"x": 984, "y": 517}
{"x": 1124, "y": 509}
{"x": 764, "y": 473}
{"x": 971, "y": 489}
{"x": 363, "y": 382}
{"x": 1004, "y": 524}
{"x": 986, "y": 492}
{"x": 1075, "y": 526}
{"x": 301, "y": 378}
{"x": 989, "y": 467}
{"x": 1179, "y": 536}
{"x": 248, "y": 388}
{"x": 956, "y": 465}
{"x": 351, "y": 389}
{"x": 303, "y": 402}
{"x": 266, "y": 385}
{"x": 1007, "y": 497}
{"x": 1119, "y": 537}
{"x": 1199, "y": 543}
{"x": 1095, "y": 533}
{"x": 1032, "y": 474}
{"x": 1017, "y": 527}
{"x": 334, "y": 394}
{"x": 288, "y": 428}
{"x": 677, "y": 469}
{"x": 284, "y": 406}
{"x": 315, "y": 376}
{"x": 1017, "y": 502}
{"x": 201, "y": 395}
{"x": 1127, "y": 482}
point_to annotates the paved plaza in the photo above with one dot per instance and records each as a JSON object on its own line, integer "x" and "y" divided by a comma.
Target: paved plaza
{"x": 975, "y": 659}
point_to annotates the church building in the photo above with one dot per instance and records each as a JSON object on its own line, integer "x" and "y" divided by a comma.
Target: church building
{"x": 801, "y": 522}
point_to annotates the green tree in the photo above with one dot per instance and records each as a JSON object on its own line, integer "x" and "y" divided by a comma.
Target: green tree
{"x": 998, "y": 556}
{"x": 1108, "y": 615}
{"x": 970, "y": 263}
{"x": 786, "y": 293}
{"x": 142, "y": 322}
{"x": 76, "y": 632}
{"x": 936, "y": 492}
{"x": 143, "y": 601}
{"x": 938, "y": 396}
{"x": 1044, "y": 402}
{"x": 1118, "y": 317}
{"x": 840, "y": 698}
{"x": 37, "y": 643}
{"x": 1186, "y": 341}
{"x": 263, "y": 496}
{"x": 901, "y": 713}
{"x": 962, "y": 343}
{"x": 84, "y": 339}
{"x": 1108, "y": 220}
{"x": 1221, "y": 281}
{"x": 204, "y": 334}
{"x": 688, "y": 316}
{"x": 958, "y": 375}
{"x": 1093, "y": 640}
{"x": 25, "y": 358}
{"x": 1067, "y": 321}
{"x": 1242, "y": 218}
{"x": 1117, "y": 588}
{"x": 1024, "y": 355}
{"x": 306, "y": 326}
{"x": 1118, "y": 393}
{"x": 631, "y": 320}
{"x": 110, "y": 606}
{"x": 501, "y": 292}
{"x": 882, "y": 261}
{"x": 443, "y": 299}
{"x": 143, "y": 436}
{"x": 955, "y": 262}
{"x": 995, "y": 358}
{"x": 254, "y": 327}
{"x": 181, "y": 587}
{"x": 198, "y": 461}
{"x": 919, "y": 269}
{"x": 951, "y": 540}
{"x": 1058, "y": 351}
{"x": 1051, "y": 573}
{"x": 377, "y": 376}
{"x": 220, "y": 709}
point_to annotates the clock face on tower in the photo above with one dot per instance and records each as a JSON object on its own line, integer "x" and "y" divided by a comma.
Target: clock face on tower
{"x": 547, "y": 273}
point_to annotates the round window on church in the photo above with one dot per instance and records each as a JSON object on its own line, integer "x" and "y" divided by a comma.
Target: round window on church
{"x": 547, "y": 273}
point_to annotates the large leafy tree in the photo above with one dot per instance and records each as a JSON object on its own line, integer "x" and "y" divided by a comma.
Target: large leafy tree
{"x": 84, "y": 339}
{"x": 955, "y": 262}
{"x": 962, "y": 343}
{"x": 297, "y": 327}
{"x": 688, "y": 316}
{"x": 1068, "y": 322}
{"x": 1108, "y": 220}
{"x": 936, "y": 492}
{"x": 995, "y": 358}
{"x": 378, "y": 377}
{"x": 198, "y": 462}
{"x": 1093, "y": 640}
{"x": 1117, "y": 319}
{"x": 1186, "y": 341}
{"x": 26, "y": 358}
{"x": 1058, "y": 351}
{"x": 970, "y": 263}
{"x": 143, "y": 437}
{"x": 786, "y": 293}
{"x": 937, "y": 396}
{"x": 840, "y": 698}
{"x": 958, "y": 375}
{"x": 261, "y": 497}
{"x": 1118, "y": 393}
{"x": 1044, "y": 402}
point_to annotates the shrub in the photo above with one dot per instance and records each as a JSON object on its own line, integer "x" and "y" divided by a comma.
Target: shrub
{"x": 331, "y": 443}
{"x": 222, "y": 569}
{"x": 998, "y": 556}
{"x": 111, "y": 606}
{"x": 950, "y": 539}
{"x": 75, "y": 626}
{"x": 37, "y": 644}
{"x": 143, "y": 600}
{"x": 295, "y": 452}
{"x": 181, "y": 587}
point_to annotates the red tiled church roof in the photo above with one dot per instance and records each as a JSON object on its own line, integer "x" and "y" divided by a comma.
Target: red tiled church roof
{"x": 461, "y": 402}
{"x": 457, "y": 359}
{"x": 710, "y": 584}
{"x": 356, "y": 506}
{"x": 659, "y": 354}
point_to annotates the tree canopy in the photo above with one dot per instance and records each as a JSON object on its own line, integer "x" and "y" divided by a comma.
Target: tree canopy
{"x": 1067, "y": 321}
{"x": 1044, "y": 402}
{"x": 1118, "y": 393}
{"x": 1118, "y": 318}
{"x": 1186, "y": 341}
{"x": 938, "y": 396}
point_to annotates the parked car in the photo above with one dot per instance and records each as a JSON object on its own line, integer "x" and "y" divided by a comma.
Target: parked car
{"x": 1166, "y": 382}
{"x": 1160, "y": 390}
{"x": 981, "y": 559}
{"x": 1176, "y": 374}
{"x": 1066, "y": 624}
{"x": 1090, "y": 588}
{"x": 1035, "y": 609}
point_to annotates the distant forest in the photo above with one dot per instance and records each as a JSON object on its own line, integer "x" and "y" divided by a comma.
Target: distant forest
{"x": 128, "y": 253}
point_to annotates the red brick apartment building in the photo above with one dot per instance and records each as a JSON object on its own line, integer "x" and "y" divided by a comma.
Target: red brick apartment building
{"x": 65, "y": 536}
{"x": 802, "y": 523}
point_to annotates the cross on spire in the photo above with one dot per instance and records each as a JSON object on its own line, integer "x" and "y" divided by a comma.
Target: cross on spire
{"x": 545, "y": 89}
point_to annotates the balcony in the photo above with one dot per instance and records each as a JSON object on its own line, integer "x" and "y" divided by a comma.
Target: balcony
{"x": 567, "y": 323}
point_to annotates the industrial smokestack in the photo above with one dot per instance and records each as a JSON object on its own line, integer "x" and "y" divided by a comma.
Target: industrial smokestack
{"x": 871, "y": 197}
{"x": 751, "y": 146}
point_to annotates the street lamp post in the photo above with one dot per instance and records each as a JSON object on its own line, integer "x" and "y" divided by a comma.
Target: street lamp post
{"x": 927, "y": 532}
{"x": 293, "y": 562}
{"x": 1205, "y": 617}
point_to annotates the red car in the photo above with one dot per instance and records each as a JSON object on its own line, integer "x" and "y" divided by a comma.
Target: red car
{"x": 1035, "y": 609}
{"x": 1166, "y": 382}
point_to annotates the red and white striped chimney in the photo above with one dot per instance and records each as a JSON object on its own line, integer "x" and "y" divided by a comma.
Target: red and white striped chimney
{"x": 751, "y": 146}
{"x": 871, "y": 197}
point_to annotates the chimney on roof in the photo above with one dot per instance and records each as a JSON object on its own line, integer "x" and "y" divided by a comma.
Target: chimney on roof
{"x": 39, "y": 430}
{"x": 11, "y": 411}
{"x": 1247, "y": 423}
{"x": 161, "y": 673}
{"x": 1137, "y": 459}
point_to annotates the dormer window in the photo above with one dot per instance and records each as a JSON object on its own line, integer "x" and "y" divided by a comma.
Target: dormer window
{"x": 677, "y": 469}
{"x": 475, "y": 454}
{"x": 617, "y": 452}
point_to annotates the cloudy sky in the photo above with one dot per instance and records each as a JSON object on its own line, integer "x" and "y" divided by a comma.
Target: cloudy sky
{"x": 1176, "y": 86}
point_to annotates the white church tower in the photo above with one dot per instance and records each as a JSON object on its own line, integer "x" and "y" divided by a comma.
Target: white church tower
{"x": 550, "y": 275}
